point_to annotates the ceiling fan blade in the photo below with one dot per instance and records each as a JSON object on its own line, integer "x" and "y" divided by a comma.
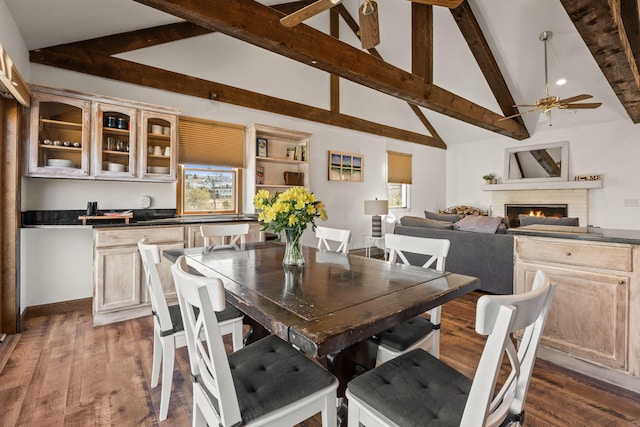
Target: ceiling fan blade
{"x": 307, "y": 12}
{"x": 584, "y": 105}
{"x": 576, "y": 98}
{"x": 451, "y": 4}
{"x": 519, "y": 114}
{"x": 369, "y": 27}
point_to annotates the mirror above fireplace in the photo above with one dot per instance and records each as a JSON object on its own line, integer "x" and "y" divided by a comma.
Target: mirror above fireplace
{"x": 537, "y": 163}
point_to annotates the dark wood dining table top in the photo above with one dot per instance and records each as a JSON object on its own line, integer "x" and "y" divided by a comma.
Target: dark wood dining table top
{"x": 330, "y": 303}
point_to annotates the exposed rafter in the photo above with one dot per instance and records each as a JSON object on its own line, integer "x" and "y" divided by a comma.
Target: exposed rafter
{"x": 85, "y": 61}
{"x": 257, "y": 24}
{"x": 612, "y": 37}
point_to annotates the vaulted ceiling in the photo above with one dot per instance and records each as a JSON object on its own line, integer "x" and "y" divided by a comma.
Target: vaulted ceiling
{"x": 609, "y": 30}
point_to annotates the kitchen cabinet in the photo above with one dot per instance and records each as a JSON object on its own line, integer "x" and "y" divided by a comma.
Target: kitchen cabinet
{"x": 592, "y": 326}
{"x": 78, "y": 135}
{"x": 270, "y": 153}
{"x": 119, "y": 288}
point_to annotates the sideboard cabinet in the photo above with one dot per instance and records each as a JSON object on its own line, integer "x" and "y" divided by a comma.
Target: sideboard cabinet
{"x": 593, "y": 323}
{"x": 78, "y": 135}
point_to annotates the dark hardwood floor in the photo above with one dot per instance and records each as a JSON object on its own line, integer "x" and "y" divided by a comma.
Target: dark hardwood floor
{"x": 65, "y": 372}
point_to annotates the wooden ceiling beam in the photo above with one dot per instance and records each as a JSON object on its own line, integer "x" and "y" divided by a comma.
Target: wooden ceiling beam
{"x": 252, "y": 22}
{"x": 422, "y": 41}
{"x": 72, "y": 58}
{"x": 602, "y": 27}
{"x": 472, "y": 33}
{"x": 353, "y": 25}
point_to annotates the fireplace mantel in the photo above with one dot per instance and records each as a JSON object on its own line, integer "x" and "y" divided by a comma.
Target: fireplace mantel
{"x": 555, "y": 185}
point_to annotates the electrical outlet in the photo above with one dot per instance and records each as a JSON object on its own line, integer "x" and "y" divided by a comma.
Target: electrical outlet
{"x": 632, "y": 203}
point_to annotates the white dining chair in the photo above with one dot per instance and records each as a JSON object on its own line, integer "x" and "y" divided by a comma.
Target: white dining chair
{"x": 328, "y": 234}
{"x": 266, "y": 383}
{"x": 168, "y": 329}
{"x": 417, "y": 332}
{"x": 419, "y": 389}
{"x": 218, "y": 236}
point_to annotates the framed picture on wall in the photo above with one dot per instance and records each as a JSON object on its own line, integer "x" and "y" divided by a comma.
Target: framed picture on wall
{"x": 262, "y": 147}
{"x": 346, "y": 167}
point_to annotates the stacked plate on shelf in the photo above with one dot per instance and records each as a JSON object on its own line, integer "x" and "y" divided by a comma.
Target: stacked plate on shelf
{"x": 60, "y": 163}
{"x": 158, "y": 169}
{"x": 115, "y": 167}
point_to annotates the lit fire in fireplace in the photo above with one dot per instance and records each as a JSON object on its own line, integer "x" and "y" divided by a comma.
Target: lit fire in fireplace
{"x": 536, "y": 213}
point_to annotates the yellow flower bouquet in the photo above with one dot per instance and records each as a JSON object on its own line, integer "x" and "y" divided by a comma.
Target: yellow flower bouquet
{"x": 290, "y": 211}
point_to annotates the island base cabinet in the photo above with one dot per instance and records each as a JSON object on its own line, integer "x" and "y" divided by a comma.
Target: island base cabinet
{"x": 594, "y": 322}
{"x": 120, "y": 290}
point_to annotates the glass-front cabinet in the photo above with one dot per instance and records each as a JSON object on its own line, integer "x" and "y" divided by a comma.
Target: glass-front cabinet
{"x": 78, "y": 135}
{"x": 59, "y": 133}
{"x": 158, "y": 133}
{"x": 115, "y": 141}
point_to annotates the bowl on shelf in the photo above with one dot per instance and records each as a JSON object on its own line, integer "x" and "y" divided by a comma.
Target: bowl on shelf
{"x": 115, "y": 167}
{"x": 156, "y": 129}
{"x": 60, "y": 163}
{"x": 158, "y": 169}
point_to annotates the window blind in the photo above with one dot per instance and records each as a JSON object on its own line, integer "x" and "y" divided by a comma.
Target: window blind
{"x": 207, "y": 142}
{"x": 398, "y": 168}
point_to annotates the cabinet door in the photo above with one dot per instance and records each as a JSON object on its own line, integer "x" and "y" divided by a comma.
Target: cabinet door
{"x": 58, "y": 136}
{"x": 114, "y": 141}
{"x": 588, "y": 315}
{"x": 158, "y": 135}
{"x": 118, "y": 278}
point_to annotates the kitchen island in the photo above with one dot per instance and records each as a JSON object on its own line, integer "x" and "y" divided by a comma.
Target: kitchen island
{"x": 594, "y": 323}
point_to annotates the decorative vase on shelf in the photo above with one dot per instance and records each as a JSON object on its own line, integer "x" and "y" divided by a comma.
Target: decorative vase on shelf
{"x": 293, "y": 250}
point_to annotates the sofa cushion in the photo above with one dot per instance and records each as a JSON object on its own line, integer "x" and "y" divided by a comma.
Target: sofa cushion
{"x": 416, "y": 221}
{"x": 547, "y": 220}
{"x": 442, "y": 217}
{"x": 480, "y": 224}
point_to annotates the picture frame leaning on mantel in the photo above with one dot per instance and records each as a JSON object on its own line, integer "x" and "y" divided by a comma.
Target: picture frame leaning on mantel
{"x": 345, "y": 167}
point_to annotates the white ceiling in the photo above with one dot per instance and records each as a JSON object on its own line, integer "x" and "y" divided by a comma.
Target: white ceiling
{"x": 510, "y": 26}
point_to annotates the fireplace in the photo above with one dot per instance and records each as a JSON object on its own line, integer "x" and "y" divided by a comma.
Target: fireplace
{"x": 513, "y": 211}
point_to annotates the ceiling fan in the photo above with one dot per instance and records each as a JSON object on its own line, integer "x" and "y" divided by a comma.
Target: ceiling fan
{"x": 368, "y": 11}
{"x": 548, "y": 102}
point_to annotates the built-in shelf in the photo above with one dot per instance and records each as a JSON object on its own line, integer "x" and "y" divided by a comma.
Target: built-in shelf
{"x": 555, "y": 185}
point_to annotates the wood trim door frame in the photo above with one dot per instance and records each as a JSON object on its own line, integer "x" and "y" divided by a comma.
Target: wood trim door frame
{"x": 10, "y": 119}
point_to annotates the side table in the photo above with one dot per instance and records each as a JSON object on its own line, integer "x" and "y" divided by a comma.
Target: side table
{"x": 368, "y": 240}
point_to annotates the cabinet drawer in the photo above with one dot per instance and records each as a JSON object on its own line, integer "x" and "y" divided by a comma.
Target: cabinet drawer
{"x": 595, "y": 255}
{"x": 130, "y": 236}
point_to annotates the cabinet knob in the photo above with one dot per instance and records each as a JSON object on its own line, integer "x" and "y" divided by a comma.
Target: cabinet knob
{"x": 567, "y": 253}
{"x": 621, "y": 282}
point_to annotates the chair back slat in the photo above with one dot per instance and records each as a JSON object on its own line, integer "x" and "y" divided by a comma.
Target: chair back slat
{"x": 224, "y": 235}
{"x": 150, "y": 256}
{"x": 436, "y": 249}
{"x": 498, "y": 316}
{"x": 327, "y": 234}
{"x": 207, "y": 356}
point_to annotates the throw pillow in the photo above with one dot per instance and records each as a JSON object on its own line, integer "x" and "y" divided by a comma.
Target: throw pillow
{"x": 442, "y": 217}
{"x": 416, "y": 221}
{"x": 480, "y": 224}
{"x": 547, "y": 220}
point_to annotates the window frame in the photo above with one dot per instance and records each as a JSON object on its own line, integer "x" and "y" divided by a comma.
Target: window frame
{"x": 183, "y": 171}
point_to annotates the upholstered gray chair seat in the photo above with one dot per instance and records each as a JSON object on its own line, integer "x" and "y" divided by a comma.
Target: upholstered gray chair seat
{"x": 400, "y": 337}
{"x": 270, "y": 374}
{"x": 229, "y": 312}
{"x": 414, "y": 389}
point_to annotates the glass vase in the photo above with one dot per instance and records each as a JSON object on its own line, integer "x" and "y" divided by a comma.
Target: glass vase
{"x": 293, "y": 251}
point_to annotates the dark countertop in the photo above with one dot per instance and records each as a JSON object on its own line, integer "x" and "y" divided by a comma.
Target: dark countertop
{"x": 141, "y": 218}
{"x": 594, "y": 234}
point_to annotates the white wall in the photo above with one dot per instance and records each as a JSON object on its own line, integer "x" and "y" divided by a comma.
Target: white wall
{"x": 610, "y": 149}
{"x": 12, "y": 41}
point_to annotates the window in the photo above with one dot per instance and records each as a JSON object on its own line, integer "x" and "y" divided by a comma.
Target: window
{"x": 208, "y": 190}
{"x": 398, "y": 179}
{"x": 397, "y": 195}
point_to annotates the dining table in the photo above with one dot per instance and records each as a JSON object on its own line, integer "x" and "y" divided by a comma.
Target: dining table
{"x": 330, "y": 306}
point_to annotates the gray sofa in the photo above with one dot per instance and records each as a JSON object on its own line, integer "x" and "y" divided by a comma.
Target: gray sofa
{"x": 484, "y": 255}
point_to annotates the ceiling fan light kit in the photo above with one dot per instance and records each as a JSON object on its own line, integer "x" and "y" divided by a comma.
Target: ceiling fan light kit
{"x": 549, "y": 102}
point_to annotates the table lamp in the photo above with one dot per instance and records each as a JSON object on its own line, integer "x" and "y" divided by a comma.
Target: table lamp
{"x": 376, "y": 208}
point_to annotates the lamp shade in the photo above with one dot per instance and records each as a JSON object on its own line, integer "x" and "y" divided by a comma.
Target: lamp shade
{"x": 376, "y": 207}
